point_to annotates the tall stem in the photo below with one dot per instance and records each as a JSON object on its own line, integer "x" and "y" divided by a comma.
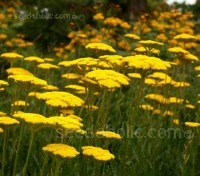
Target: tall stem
{"x": 4, "y": 152}
{"x": 29, "y": 152}
{"x": 18, "y": 149}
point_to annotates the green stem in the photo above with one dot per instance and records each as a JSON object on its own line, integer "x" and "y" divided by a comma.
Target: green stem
{"x": 44, "y": 164}
{"x": 4, "y": 152}
{"x": 17, "y": 152}
{"x": 58, "y": 165}
{"x": 137, "y": 100}
{"x": 29, "y": 153}
{"x": 100, "y": 111}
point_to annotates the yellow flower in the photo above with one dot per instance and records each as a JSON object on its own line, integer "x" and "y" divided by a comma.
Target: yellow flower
{"x": 18, "y": 71}
{"x": 61, "y": 150}
{"x": 108, "y": 134}
{"x": 197, "y": 68}
{"x": 48, "y": 59}
{"x": 175, "y": 100}
{"x": 11, "y": 57}
{"x": 157, "y": 97}
{"x": 75, "y": 87}
{"x": 28, "y": 79}
{"x": 49, "y": 88}
{"x": 100, "y": 46}
{"x": 134, "y": 75}
{"x": 98, "y": 16}
{"x": 132, "y": 36}
{"x": 3, "y": 36}
{"x": 151, "y": 43}
{"x": 114, "y": 60}
{"x": 71, "y": 76}
{"x": 2, "y": 113}
{"x": 66, "y": 111}
{"x": 189, "y": 57}
{"x": 177, "y": 50}
{"x": 176, "y": 121}
{"x": 61, "y": 99}
{"x": 47, "y": 66}
{"x": 185, "y": 37}
{"x": 33, "y": 94}
{"x": 97, "y": 153}
{"x": 108, "y": 78}
{"x": 146, "y": 107}
{"x": 20, "y": 103}
{"x": 145, "y": 62}
{"x": 69, "y": 122}
{"x": 5, "y": 120}
{"x": 192, "y": 124}
{"x": 3, "y": 83}
{"x": 125, "y": 25}
{"x": 34, "y": 120}
{"x": 145, "y": 50}
{"x": 34, "y": 59}
{"x": 190, "y": 106}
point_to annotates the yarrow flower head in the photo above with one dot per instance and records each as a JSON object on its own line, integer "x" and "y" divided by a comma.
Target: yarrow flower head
{"x": 18, "y": 71}
{"x": 11, "y": 57}
{"x": 34, "y": 59}
{"x": 6, "y": 121}
{"x": 132, "y": 36}
{"x": 145, "y": 62}
{"x": 61, "y": 150}
{"x": 97, "y": 153}
{"x": 61, "y": 99}
{"x": 100, "y": 46}
{"x": 185, "y": 37}
{"x": 108, "y": 134}
{"x": 107, "y": 78}
{"x": 28, "y": 79}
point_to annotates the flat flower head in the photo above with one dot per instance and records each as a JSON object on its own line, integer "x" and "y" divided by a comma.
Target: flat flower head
{"x": 108, "y": 78}
{"x": 61, "y": 99}
{"x": 11, "y": 56}
{"x": 100, "y": 47}
{"x": 71, "y": 76}
{"x": 61, "y": 150}
{"x": 2, "y": 113}
{"x": 18, "y": 71}
{"x": 108, "y": 134}
{"x": 7, "y": 121}
{"x": 98, "y": 16}
{"x": 134, "y": 75}
{"x": 151, "y": 43}
{"x": 178, "y": 50}
{"x": 32, "y": 119}
{"x": 146, "y": 107}
{"x": 47, "y": 66}
{"x": 132, "y": 36}
{"x": 185, "y": 37}
{"x": 190, "y": 57}
{"x": 144, "y": 62}
{"x": 192, "y": 124}
{"x": 49, "y": 88}
{"x": 28, "y": 79}
{"x": 20, "y": 103}
{"x": 34, "y": 59}
{"x": 3, "y": 83}
{"x": 67, "y": 123}
{"x": 97, "y": 153}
